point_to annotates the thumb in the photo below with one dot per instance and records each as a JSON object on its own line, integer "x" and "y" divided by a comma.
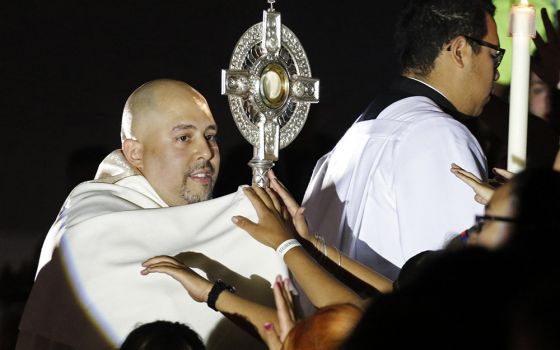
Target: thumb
{"x": 244, "y": 223}
{"x": 271, "y": 338}
{"x": 300, "y": 224}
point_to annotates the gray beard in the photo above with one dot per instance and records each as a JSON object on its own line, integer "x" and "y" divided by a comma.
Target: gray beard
{"x": 197, "y": 197}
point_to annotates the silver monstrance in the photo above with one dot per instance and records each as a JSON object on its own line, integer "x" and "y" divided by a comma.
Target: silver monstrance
{"x": 269, "y": 87}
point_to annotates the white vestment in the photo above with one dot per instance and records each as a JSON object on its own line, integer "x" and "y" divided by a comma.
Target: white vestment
{"x": 386, "y": 191}
{"x": 109, "y": 226}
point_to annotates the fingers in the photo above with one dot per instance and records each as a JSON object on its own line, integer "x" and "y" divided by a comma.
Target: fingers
{"x": 457, "y": 169}
{"x": 179, "y": 274}
{"x": 162, "y": 258}
{"x": 479, "y": 199}
{"x": 285, "y": 314}
{"x": 271, "y": 337}
{"x": 166, "y": 268}
{"x": 455, "y": 166}
{"x": 467, "y": 178}
{"x": 266, "y": 196}
{"x": 539, "y": 42}
{"x": 483, "y": 192}
{"x": 287, "y": 284}
{"x": 286, "y": 214}
{"x": 244, "y": 223}
{"x": 263, "y": 195}
{"x": 503, "y": 173}
{"x": 264, "y": 199}
{"x": 285, "y": 195}
{"x": 256, "y": 200}
{"x": 549, "y": 28}
{"x": 300, "y": 224}
{"x": 275, "y": 200}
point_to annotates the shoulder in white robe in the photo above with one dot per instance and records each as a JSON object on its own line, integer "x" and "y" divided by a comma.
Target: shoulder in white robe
{"x": 108, "y": 227}
{"x": 386, "y": 193}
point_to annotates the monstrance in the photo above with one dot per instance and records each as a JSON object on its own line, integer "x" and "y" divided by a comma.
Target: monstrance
{"x": 270, "y": 88}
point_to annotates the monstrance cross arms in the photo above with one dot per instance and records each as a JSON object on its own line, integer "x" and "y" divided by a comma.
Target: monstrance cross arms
{"x": 269, "y": 87}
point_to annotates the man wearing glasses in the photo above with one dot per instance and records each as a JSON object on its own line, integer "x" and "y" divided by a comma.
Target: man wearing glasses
{"x": 384, "y": 193}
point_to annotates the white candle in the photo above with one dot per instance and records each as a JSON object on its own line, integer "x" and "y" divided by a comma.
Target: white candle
{"x": 521, "y": 28}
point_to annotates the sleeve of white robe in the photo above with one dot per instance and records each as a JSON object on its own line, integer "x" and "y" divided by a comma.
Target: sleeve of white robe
{"x": 433, "y": 205}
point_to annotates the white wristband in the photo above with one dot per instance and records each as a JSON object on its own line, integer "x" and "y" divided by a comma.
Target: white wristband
{"x": 285, "y": 246}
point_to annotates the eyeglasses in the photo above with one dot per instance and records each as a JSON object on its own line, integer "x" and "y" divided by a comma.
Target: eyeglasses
{"x": 499, "y": 51}
{"x": 479, "y": 221}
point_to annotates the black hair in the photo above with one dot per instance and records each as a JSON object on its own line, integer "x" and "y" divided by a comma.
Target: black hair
{"x": 163, "y": 335}
{"x": 535, "y": 201}
{"x": 458, "y": 300}
{"x": 425, "y": 26}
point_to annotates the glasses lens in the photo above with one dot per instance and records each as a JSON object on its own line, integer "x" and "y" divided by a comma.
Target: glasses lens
{"x": 498, "y": 59}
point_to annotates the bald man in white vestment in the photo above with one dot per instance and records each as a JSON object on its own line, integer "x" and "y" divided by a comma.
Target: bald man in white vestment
{"x": 385, "y": 192}
{"x": 152, "y": 197}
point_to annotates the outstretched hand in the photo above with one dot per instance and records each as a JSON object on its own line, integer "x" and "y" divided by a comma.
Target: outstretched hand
{"x": 483, "y": 191}
{"x": 545, "y": 63}
{"x": 274, "y": 225}
{"x": 197, "y": 286}
{"x": 296, "y": 212}
{"x": 286, "y": 318}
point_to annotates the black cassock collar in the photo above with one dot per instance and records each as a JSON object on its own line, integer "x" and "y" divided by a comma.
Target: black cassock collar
{"x": 404, "y": 87}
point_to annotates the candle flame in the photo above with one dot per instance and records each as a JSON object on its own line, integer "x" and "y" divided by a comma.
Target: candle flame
{"x": 524, "y": 2}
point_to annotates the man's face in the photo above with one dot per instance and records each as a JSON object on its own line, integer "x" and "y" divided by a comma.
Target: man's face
{"x": 180, "y": 153}
{"x": 483, "y": 73}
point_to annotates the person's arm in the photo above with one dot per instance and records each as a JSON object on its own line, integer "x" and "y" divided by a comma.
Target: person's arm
{"x": 362, "y": 272}
{"x": 274, "y": 229}
{"x": 198, "y": 289}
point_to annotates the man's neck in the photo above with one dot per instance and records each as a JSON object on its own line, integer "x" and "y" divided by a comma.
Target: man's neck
{"x": 427, "y": 83}
{"x": 440, "y": 82}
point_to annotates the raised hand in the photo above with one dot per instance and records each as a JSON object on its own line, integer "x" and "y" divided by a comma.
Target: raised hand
{"x": 197, "y": 286}
{"x": 546, "y": 62}
{"x": 483, "y": 191}
{"x": 296, "y": 212}
{"x": 274, "y": 226}
{"x": 286, "y": 318}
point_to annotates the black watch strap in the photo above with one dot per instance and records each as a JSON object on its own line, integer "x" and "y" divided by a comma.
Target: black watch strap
{"x": 219, "y": 286}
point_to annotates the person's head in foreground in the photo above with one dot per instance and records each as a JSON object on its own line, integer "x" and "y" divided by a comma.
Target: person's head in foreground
{"x": 524, "y": 213}
{"x": 326, "y": 329}
{"x": 453, "y": 46}
{"x": 168, "y": 133}
{"x": 163, "y": 335}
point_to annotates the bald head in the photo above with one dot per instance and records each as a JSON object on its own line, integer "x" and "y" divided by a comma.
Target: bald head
{"x": 154, "y": 99}
{"x": 169, "y": 135}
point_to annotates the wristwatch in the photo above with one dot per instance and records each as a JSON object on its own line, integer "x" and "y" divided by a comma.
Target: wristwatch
{"x": 219, "y": 286}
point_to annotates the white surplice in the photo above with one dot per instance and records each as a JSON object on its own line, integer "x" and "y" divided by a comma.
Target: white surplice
{"x": 386, "y": 188}
{"x": 109, "y": 226}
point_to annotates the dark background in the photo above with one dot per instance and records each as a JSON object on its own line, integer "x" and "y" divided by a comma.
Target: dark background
{"x": 67, "y": 68}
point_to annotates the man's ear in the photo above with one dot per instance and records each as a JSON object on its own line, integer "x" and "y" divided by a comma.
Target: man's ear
{"x": 459, "y": 49}
{"x": 133, "y": 152}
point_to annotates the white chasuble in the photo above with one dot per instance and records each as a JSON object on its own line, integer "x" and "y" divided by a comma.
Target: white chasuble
{"x": 109, "y": 226}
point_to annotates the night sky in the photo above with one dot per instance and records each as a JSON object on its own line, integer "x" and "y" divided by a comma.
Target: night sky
{"x": 68, "y": 67}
